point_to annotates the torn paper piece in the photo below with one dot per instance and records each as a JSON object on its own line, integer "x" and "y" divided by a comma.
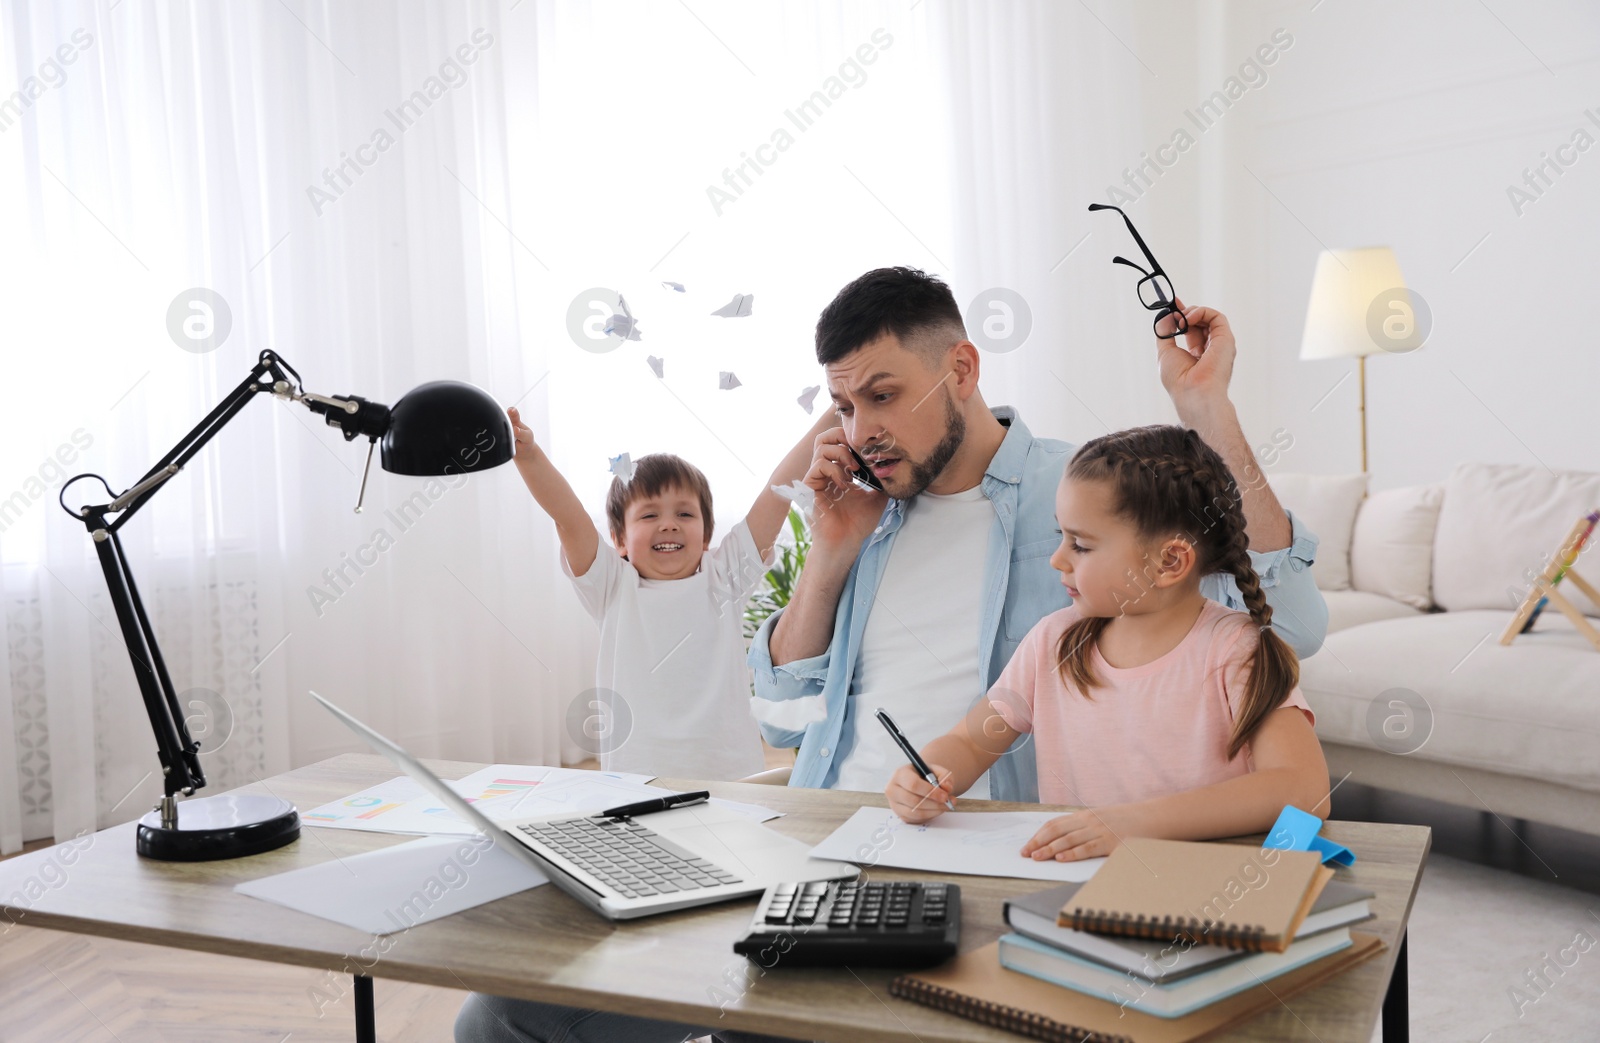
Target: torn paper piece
{"x": 672, "y": 286}
{"x": 655, "y": 364}
{"x": 623, "y": 325}
{"x": 801, "y": 495}
{"x": 737, "y": 308}
{"x": 808, "y": 397}
{"x": 622, "y": 466}
{"x": 727, "y": 381}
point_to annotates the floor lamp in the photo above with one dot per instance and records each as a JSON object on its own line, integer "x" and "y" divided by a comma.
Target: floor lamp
{"x": 1360, "y": 306}
{"x": 445, "y": 427}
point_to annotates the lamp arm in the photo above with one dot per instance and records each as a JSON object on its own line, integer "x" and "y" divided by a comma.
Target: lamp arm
{"x": 179, "y": 752}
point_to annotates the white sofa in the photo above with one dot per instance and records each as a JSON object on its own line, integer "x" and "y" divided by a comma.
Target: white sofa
{"x": 1412, "y": 689}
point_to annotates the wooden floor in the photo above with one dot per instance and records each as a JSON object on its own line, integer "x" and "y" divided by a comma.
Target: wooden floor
{"x": 67, "y": 988}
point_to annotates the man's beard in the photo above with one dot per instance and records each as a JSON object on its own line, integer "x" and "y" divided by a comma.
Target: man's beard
{"x": 925, "y": 472}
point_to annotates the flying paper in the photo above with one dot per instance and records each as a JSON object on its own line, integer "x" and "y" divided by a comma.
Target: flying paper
{"x": 737, "y": 308}
{"x": 807, "y": 397}
{"x": 672, "y": 286}
{"x": 623, "y": 325}
{"x": 727, "y": 381}
{"x": 655, "y": 364}
{"x": 622, "y": 467}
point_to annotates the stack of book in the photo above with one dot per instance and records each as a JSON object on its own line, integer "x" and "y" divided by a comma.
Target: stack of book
{"x": 1170, "y": 940}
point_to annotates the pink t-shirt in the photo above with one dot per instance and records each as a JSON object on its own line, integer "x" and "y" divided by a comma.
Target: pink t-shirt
{"x": 1149, "y": 731}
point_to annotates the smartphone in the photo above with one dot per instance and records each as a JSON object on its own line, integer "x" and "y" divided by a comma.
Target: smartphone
{"x": 862, "y": 477}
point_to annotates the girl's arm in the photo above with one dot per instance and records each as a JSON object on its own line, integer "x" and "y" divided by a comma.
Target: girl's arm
{"x": 957, "y": 758}
{"x": 767, "y": 514}
{"x": 579, "y": 538}
{"x": 1290, "y": 769}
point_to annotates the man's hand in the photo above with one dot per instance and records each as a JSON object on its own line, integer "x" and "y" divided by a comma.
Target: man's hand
{"x": 1082, "y": 834}
{"x": 911, "y": 798}
{"x": 1196, "y": 374}
{"x": 843, "y": 514}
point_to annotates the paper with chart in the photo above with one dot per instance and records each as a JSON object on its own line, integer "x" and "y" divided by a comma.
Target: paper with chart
{"x": 502, "y": 792}
{"x": 975, "y": 843}
{"x": 402, "y": 806}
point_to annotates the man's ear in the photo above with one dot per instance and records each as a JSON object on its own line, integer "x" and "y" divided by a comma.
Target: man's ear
{"x": 963, "y": 363}
{"x": 1175, "y": 559}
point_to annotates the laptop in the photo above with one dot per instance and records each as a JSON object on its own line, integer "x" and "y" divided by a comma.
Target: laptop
{"x": 628, "y": 868}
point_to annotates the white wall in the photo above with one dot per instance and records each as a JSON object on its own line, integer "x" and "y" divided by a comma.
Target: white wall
{"x": 1403, "y": 125}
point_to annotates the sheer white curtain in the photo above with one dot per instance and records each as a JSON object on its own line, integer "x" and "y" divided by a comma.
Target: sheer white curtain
{"x": 778, "y": 150}
{"x": 176, "y": 151}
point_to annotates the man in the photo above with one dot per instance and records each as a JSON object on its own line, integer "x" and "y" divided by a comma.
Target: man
{"x": 913, "y": 599}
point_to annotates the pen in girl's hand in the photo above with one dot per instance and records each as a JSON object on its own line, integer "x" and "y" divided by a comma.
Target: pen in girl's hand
{"x": 911, "y": 753}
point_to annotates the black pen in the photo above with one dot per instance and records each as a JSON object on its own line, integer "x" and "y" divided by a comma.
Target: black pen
{"x": 645, "y": 807}
{"x": 911, "y": 753}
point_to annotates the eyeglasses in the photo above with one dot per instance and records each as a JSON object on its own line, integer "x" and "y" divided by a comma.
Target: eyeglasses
{"x": 1155, "y": 289}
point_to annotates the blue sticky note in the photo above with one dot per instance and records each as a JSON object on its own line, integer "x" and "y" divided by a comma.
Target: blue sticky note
{"x": 1298, "y": 830}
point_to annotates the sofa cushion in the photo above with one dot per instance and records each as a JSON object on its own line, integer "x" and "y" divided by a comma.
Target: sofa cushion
{"x": 1391, "y": 547}
{"x": 1327, "y": 504}
{"x": 1499, "y": 525}
{"x": 1351, "y": 608}
{"x": 1529, "y": 708}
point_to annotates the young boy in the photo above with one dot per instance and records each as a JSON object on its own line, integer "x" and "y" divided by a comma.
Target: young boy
{"x": 671, "y": 614}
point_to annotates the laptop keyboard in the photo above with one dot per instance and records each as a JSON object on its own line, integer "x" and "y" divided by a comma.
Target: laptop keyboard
{"x": 630, "y": 858}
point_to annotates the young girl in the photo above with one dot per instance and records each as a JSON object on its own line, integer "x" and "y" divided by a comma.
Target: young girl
{"x": 1160, "y": 711}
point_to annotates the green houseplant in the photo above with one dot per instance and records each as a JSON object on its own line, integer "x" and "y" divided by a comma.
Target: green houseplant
{"x": 780, "y": 578}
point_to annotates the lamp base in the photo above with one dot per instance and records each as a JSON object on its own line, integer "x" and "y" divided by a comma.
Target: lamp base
{"x": 211, "y": 828}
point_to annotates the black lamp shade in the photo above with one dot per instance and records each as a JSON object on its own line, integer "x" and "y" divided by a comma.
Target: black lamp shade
{"x": 446, "y": 427}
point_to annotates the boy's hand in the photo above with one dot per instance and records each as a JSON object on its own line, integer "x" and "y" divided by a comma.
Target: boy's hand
{"x": 842, "y": 513}
{"x": 1082, "y": 834}
{"x": 911, "y": 798}
{"x": 524, "y": 436}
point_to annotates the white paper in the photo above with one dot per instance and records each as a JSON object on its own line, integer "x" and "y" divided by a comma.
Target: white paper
{"x": 737, "y": 308}
{"x": 974, "y": 843}
{"x": 808, "y": 398}
{"x": 402, "y": 806}
{"x": 622, "y": 466}
{"x": 381, "y": 892}
{"x": 727, "y": 381}
{"x": 591, "y": 791}
{"x": 624, "y": 325}
{"x": 655, "y": 364}
{"x": 665, "y": 285}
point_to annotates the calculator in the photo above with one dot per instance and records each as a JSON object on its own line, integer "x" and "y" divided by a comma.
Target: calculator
{"x": 851, "y": 922}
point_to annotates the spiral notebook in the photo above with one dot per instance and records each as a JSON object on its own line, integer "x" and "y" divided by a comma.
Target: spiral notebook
{"x": 976, "y": 987}
{"x": 1236, "y": 895}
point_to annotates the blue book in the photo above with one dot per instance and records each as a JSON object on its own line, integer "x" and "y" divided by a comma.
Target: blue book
{"x": 1174, "y": 1000}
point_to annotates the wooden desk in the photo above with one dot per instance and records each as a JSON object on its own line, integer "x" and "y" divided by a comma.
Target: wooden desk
{"x": 542, "y": 945}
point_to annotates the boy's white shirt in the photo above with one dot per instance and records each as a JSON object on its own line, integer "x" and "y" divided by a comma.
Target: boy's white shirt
{"x": 674, "y": 651}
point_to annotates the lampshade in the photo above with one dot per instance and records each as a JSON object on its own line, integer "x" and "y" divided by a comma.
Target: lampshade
{"x": 1359, "y": 306}
{"x": 446, "y": 427}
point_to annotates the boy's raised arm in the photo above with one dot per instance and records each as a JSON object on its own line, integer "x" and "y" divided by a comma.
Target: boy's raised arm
{"x": 766, "y": 516}
{"x": 579, "y": 538}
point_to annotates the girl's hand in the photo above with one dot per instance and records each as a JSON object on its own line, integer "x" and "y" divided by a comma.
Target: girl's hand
{"x": 1082, "y": 834}
{"x": 911, "y": 798}
{"x": 524, "y": 436}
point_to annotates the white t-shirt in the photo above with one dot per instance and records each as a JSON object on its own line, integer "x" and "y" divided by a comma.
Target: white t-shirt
{"x": 673, "y": 650}
{"x": 919, "y": 654}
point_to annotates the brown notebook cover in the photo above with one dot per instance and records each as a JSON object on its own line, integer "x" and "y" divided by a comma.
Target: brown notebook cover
{"x": 975, "y": 986}
{"x": 1237, "y": 895}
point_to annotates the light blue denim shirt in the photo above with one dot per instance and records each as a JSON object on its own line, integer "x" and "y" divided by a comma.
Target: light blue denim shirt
{"x": 807, "y": 703}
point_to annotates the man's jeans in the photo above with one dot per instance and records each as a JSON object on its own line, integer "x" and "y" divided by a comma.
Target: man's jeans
{"x": 495, "y": 1019}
